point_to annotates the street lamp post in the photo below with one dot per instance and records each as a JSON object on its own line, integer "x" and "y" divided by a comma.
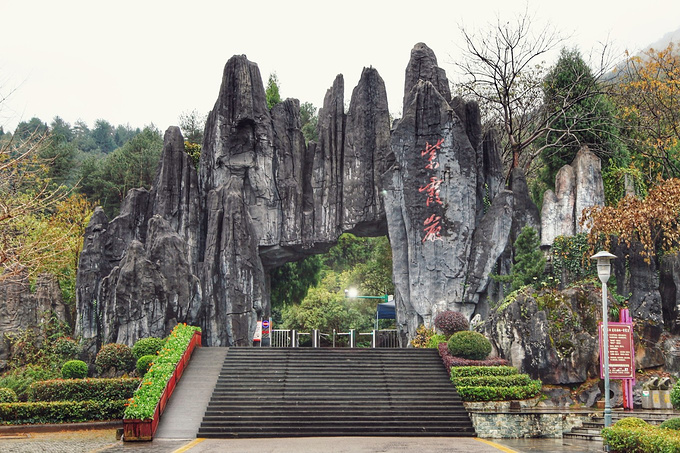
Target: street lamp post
{"x": 603, "y": 272}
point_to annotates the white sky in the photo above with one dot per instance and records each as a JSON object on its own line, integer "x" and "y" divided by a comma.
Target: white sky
{"x": 140, "y": 62}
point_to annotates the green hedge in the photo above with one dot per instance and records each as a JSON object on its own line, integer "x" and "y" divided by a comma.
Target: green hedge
{"x": 492, "y": 381}
{"x": 143, "y": 403}
{"x": 643, "y": 438}
{"x": 60, "y": 411}
{"x": 465, "y": 371}
{"x": 500, "y": 393}
{"x": 83, "y": 389}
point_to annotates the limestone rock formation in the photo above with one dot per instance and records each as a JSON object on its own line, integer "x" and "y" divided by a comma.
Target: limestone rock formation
{"x": 554, "y": 339}
{"x": 198, "y": 246}
{"x": 21, "y": 308}
{"x": 577, "y": 186}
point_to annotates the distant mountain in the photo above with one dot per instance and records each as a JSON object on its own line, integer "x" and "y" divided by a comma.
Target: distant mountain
{"x": 662, "y": 43}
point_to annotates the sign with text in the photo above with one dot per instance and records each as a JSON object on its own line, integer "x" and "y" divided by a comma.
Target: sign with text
{"x": 621, "y": 351}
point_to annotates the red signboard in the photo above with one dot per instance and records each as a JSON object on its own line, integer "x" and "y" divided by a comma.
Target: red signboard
{"x": 621, "y": 351}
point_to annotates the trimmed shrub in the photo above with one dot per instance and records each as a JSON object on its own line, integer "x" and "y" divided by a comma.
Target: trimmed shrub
{"x": 469, "y": 345}
{"x": 450, "y": 322}
{"x": 83, "y": 389}
{"x": 451, "y": 362}
{"x": 671, "y": 423}
{"x": 115, "y": 356}
{"x": 74, "y": 369}
{"x": 637, "y": 436}
{"x": 474, "y": 371}
{"x": 147, "y": 346}
{"x": 482, "y": 393}
{"x": 60, "y": 411}
{"x": 66, "y": 347}
{"x": 144, "y": 363}
{"x": 8, "y": 395}
{"x": 492, "y": 381}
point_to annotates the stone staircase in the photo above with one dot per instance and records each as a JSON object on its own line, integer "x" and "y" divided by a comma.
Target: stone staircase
{"x": 591, "y": 430}
{"x": 298, "y": 392}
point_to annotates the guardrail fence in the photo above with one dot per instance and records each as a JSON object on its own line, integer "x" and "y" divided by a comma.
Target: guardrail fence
{"x": 316, "y": 339}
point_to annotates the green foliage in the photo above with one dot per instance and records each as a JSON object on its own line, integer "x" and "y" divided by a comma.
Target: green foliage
{"x": 434, "y": 340}
{"x": 529, "y": 261}
{"x": 8, "y": 395}
{"x": 144, "y": 363}
{"x": 475, "y": 371}
{"x": 131, "y": 166}
{"x": 309, "y": 121}
{"x": 66, "y": 347}
{"x": 272, "y": 91}
{"x": 422, "y": 337}
{"x": 614, "y": 179}
{"x": 326, "y": 308}
{"x": 570, "y": 258}
{"x": 60, "y": 411}
{"x": 20, "y": 379}
{"x": 469, "y": 345}
{"x": 83, "y": 389}
{"x": 500, "y": 393}
{"x": 632, "y": 434}
{"x": 116, "y": 358}
{"x": 450, "y": 322}
{"x": 147, "y": 346}
{"x": 675, "y": 396}
{"x": 589, "y": 120}
{"x": 492, "y": 381}
{"x": 291, "y": 282}
{"x": 74, "y": 369}
{"x": 143, "y": 404}
{"x": 671, "y": 423}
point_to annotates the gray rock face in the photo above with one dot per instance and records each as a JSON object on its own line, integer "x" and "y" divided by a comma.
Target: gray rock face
{"x": 558, "y": 345}
{"x": 197, "y": 247}
{"x": 21, "y": 308}
{"x": 577, "y": 186}
{"x": 669, "y": 289}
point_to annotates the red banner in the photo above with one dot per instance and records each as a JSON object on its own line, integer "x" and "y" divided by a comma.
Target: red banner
{"x": 621, "y": 351}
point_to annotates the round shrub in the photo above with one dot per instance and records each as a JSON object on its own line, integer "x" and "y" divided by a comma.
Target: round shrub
{"x": 671, "y": 423}
{"x": 114, "y": 356}
{"x": 469, "y": 345}
{"x": 8, "y": 395}
{"x": 144, "y": 363}
{"x": 66, "y": 347}
{"x": 675, "y": 396}
{"x": 450, "y": 322}
{"x": 631, "y": 422}
{"x": 74, "y": 369}
{"x": 147, "y": 346}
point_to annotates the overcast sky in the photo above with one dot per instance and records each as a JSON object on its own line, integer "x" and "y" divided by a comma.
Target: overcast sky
{"x": 141, "y": 62}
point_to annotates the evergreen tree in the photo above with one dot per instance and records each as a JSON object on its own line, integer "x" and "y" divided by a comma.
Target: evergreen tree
{"x": 272, "y": 91}
{"x": 529, "y": 261}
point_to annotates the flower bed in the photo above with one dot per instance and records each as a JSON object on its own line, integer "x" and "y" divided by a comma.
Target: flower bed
{"x": 451, "y": 361}
{"x": 148, "y": 403}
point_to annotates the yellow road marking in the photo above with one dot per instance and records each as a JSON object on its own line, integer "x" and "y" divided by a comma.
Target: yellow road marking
{"x": 495, "y": 445}
{"x": 189, "y": 446}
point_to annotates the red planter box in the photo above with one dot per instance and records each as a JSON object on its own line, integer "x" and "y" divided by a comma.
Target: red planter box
{"x": 144, "y": 430}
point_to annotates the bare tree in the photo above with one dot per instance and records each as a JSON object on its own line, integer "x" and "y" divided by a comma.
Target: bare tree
{"x": 504, "y": 69}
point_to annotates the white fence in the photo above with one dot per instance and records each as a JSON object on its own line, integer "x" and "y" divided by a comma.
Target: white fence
{"x": 352, "y": 339}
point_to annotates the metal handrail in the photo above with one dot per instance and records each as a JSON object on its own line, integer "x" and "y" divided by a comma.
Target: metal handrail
{"x": 386, "y": 338}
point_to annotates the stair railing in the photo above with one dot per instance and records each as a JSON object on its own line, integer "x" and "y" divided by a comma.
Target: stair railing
{"x": 283, "y": 338}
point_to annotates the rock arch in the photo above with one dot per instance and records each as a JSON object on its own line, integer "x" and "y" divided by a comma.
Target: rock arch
{"x": 197, "y": 246}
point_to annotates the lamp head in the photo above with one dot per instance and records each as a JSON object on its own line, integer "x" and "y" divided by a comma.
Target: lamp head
{"x": 603, "y": 265}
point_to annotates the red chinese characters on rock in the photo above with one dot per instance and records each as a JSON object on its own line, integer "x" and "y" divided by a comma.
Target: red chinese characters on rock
{"x": 431, "y": 153}
{"x": 431, "y": 190}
